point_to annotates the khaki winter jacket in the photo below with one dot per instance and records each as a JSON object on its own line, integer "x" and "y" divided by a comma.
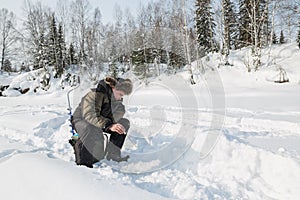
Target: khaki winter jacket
{"x": 99, "y": 108}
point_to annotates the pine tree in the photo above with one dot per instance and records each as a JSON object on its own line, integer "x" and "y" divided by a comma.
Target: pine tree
{"x": 205, "y": 25}
{"x": 282, "y": 38}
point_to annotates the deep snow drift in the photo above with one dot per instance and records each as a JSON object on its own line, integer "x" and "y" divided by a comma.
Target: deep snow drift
{"x": 234, "y": 135}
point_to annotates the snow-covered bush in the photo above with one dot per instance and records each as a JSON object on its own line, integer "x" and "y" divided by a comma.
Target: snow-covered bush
{"x": 45, "y": 80}
{"x": 29, "y": 81}
{"x": 69, "y": 79}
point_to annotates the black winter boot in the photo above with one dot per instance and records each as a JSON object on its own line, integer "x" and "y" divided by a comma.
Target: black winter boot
{"x": 114, "y": 153}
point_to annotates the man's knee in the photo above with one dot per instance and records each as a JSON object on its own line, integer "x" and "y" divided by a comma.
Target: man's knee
{"x": 125, "y": 122}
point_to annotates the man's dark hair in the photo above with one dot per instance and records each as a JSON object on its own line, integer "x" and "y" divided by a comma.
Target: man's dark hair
{"x": 121, "y": 84}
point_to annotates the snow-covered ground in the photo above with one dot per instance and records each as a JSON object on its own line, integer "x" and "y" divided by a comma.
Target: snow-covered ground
{"x": 234, "y": 135}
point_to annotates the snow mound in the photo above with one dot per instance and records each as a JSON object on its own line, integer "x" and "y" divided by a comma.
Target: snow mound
{"x": 35, "y": 176}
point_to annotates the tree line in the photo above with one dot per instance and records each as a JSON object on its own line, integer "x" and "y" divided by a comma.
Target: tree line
{"x": 171, "y": 32}
{"x": 245, "y": 23}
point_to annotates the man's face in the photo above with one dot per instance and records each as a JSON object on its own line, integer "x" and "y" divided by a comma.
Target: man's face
{"x": 118, "y": 94}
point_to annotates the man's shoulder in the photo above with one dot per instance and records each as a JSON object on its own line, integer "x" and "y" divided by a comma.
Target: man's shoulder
{"x": 102, "y": 87}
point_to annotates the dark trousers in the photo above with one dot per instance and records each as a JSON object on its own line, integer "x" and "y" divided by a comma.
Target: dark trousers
{"x": 89, "y": 148}
{"x": 118, "y": 139}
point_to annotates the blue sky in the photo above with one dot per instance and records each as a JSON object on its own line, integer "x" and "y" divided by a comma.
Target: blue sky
{"x": 106, "y": 6}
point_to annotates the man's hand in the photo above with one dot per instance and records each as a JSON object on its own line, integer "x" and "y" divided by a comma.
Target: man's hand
{"x": 119, "y": 128}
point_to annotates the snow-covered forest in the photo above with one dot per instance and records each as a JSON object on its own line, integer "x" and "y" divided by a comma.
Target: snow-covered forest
{"x": 175, "y": 33}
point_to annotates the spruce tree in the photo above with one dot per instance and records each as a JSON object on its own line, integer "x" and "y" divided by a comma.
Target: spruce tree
{"x": 71, "y": 55}
{"x": 52, "y": 46}
{"x": 113, "y": 69}
{"x": 265, "y": 24}
{"x": 230, "y": 24}
{"x": 7, "y": 66}
{"x": 176, "y": 56}
{"x": 61, "y": 52}
{"x": 244, "y": 21}
{"x": 253, "y": 28}
{"x": 254, "y": 23}
{"x": 40, "y": 52}
{"x": 205, "y": 25}
{"x": 298, "y": 38}
{"x": 140, "y": 65}
{"x": 274, "y": 39}
{"x": 282, "y": 38}
{"x": 230, "y": 28}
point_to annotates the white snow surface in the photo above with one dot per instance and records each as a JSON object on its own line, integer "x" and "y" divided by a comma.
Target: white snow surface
{"x": 253, "y": 150}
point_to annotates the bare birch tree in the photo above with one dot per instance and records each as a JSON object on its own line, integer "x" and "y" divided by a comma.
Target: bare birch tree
{"x": 63, "y": 15}
{"x": 186, "y": 42}
{"x": 80, "y": 15}
{"x": 93, "y": 44}
{"x": 8, "y": 34}
{"x": 35, "y": 25}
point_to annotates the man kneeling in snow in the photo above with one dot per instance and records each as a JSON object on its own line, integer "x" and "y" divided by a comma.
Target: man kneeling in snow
{"x": 100, "y": 110}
